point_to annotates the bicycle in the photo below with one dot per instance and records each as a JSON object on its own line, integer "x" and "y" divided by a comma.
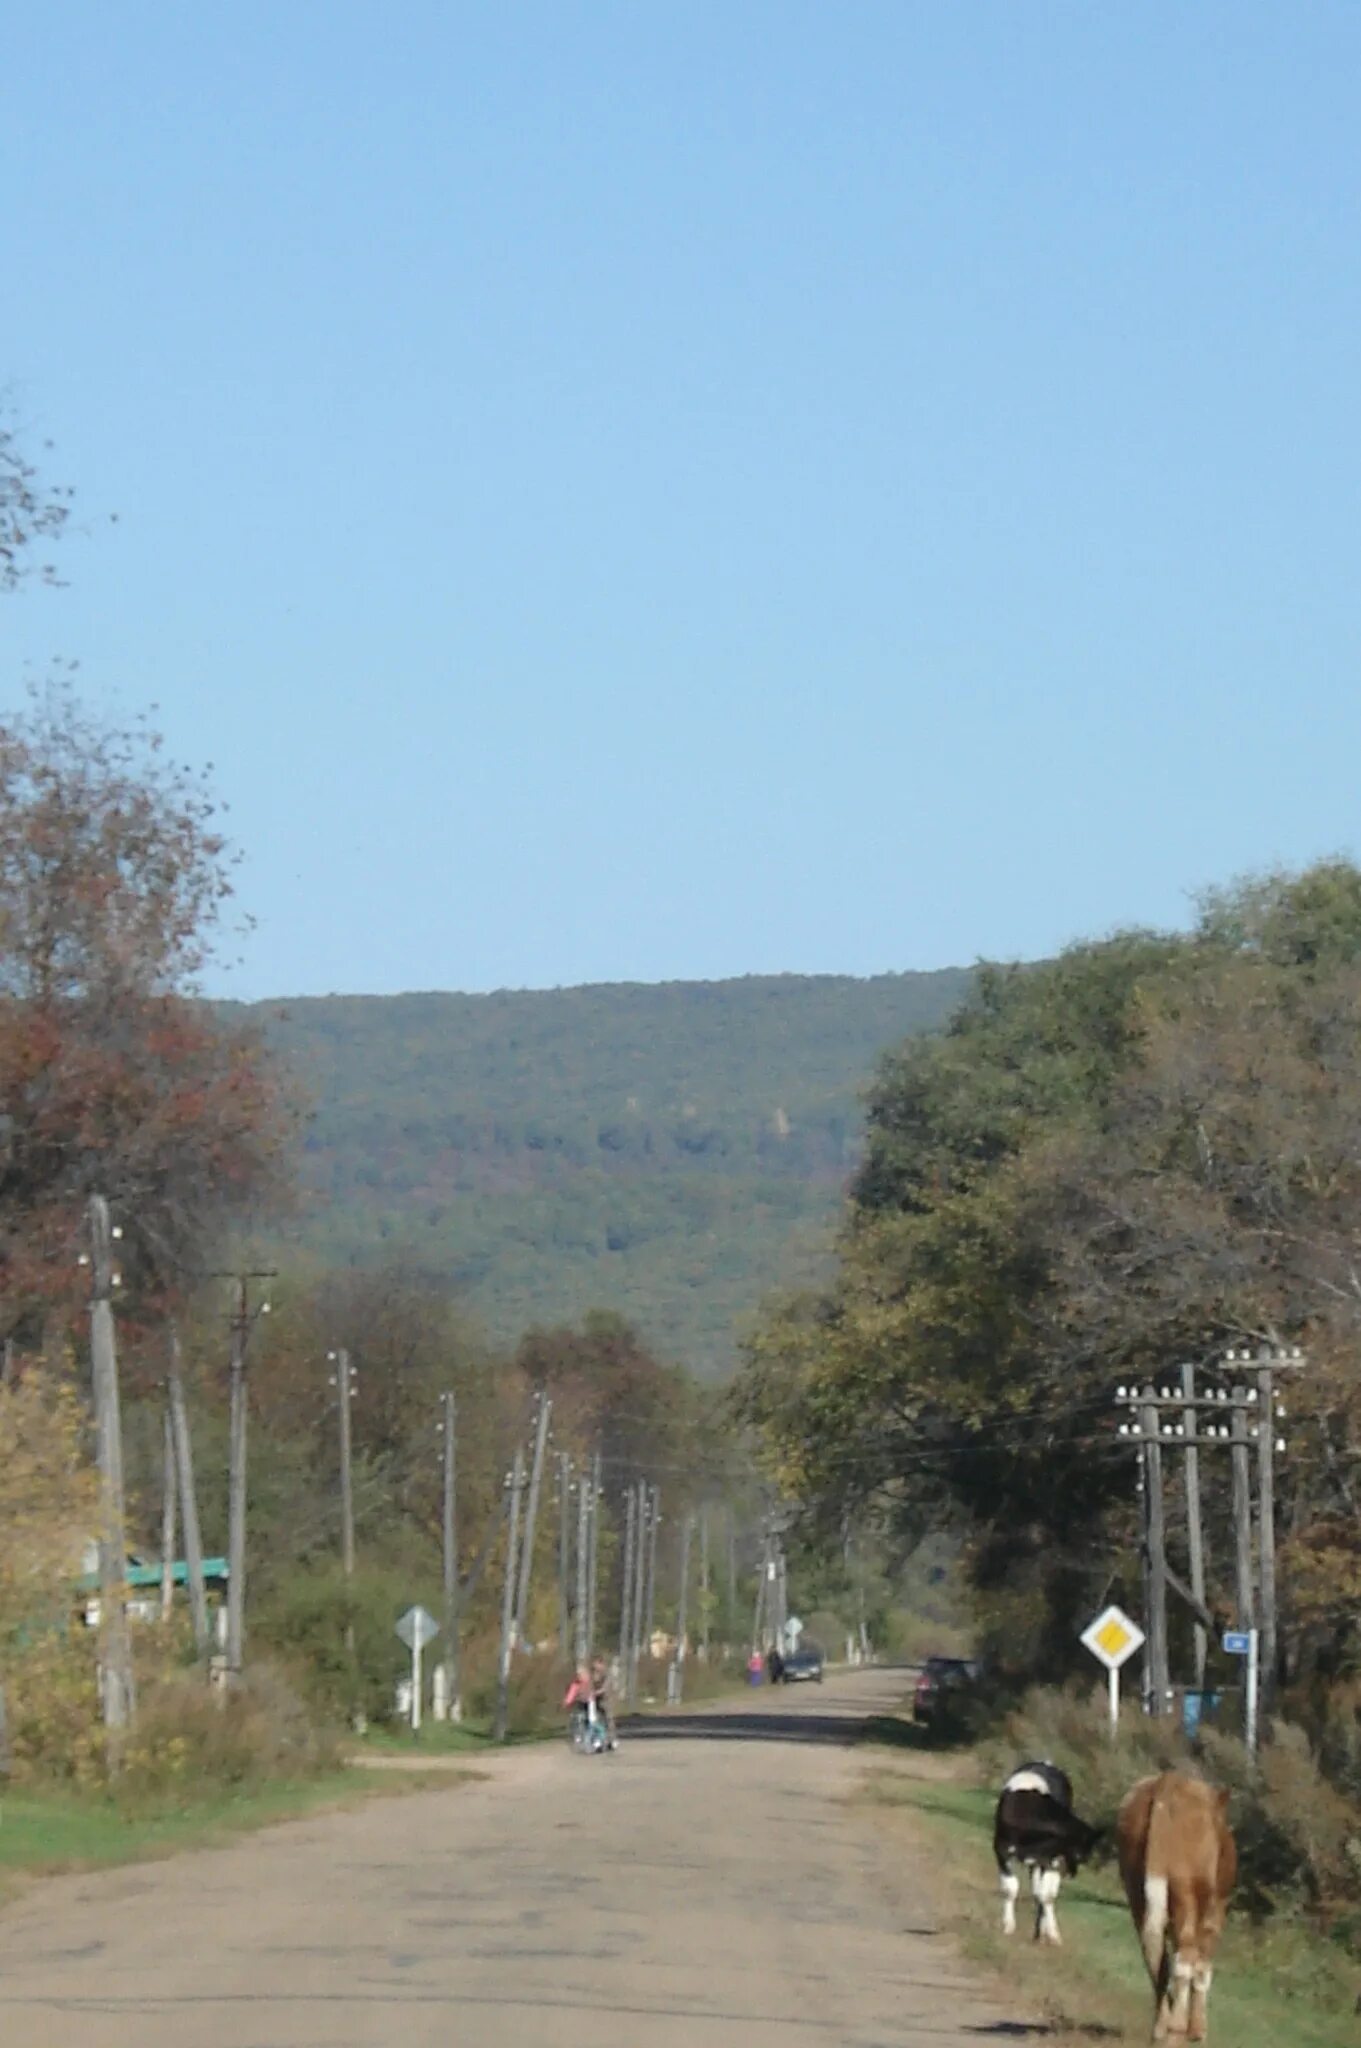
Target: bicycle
{"x": 586, "y": 1732}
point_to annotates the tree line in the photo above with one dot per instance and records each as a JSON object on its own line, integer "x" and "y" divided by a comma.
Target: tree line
{"x": 1145, "y": 1151}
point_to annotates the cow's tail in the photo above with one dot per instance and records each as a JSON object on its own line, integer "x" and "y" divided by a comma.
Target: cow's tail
{"x": 1144, "y": 1867}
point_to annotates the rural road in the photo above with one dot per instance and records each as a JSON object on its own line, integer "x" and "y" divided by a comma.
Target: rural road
{"x": 708, "y": 1886}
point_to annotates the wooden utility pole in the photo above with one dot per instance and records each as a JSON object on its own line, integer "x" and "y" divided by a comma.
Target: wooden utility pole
{"x": 342, "y": 1379}
{"x": 184, "y": 1465}
{"x": 564, "y": 1555}
{"x": 640, "y": 1550}
{"x": 168, "y": 1516}
{"x": 593, "y": 1565}
{"x": 654, "y": 1523}
{"x": 1155, "y": 1541}
{"x": 532, "y": 1517}
{"x": 584, "y": 1643}
{"x": 1240, "y": 1460}
{"x": 517, "y": 1480}
{"x": 678, "y": 1685}
{"x": 1268, "y": 1646}
{"x": 242, "y": 1321}
{"x": 116, "y": 1684}
{"x": 626, "y": 1586}
{"x": 236, "y": 1488}
{"x": 704, "y": 1602}
{"x": 449, "y": 1428}
{"x": 1194, "y": 1535}
{"x": 759, "y": 1615}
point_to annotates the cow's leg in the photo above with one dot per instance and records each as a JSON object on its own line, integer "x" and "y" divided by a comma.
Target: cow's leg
{"x": 1213, "y": 1910}
{"x": 1199, "y": 2017}
{"x": 1010, "y": 1886}
{"x": 1047, "y": 1883}
{"x": 1175, "y": 2011}
{"x": 1184, "y": 1927}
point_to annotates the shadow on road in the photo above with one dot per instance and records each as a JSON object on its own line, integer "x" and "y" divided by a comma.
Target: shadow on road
{"x": 749, "y": 1725}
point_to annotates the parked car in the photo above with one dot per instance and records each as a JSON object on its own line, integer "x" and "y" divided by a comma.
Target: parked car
{"x": 939, "y": 1677}
{"x": 801, "y": 1665}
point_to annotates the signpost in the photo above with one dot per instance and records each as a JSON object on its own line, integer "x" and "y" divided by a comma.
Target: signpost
{"x": 1112, "y": 1639}
{"x": 1242, "y": 1642}
{"x": 416, "y": 1628}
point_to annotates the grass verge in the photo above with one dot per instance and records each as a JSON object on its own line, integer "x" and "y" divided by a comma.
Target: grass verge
{"x": 1279, "y": 1985}
{"x": 43, "y": 1834}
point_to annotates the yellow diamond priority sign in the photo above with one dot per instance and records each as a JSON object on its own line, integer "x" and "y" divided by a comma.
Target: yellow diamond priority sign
{"x": 1112, "y": 1637}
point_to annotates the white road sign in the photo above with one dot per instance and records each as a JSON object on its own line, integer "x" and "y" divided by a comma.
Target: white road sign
{"x": 417, "y": 1628}
{"x": 1112, "y": 1638}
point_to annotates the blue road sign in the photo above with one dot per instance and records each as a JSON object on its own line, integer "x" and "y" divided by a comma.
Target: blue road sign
{"x": 1238, "y": 1642}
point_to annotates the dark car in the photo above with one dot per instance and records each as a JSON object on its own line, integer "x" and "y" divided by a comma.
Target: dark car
{"x": 801, "y": 1665}
{"x": 939, "y": 1677}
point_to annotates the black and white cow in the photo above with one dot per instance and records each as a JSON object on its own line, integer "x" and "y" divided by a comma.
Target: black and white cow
{"x": 1036, "y": 1826}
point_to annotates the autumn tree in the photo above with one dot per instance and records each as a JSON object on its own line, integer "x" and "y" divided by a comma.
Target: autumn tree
{"x": 33, "y": 512}
{"x": 114, "y": 1074}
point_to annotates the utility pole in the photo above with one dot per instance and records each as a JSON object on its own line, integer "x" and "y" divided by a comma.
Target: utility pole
{"x": 704, "y": 1603}
{"x": 585, "y": 1642}
{"x": 342, "y": 1379}
{"x": 565, "y": 1554}
{"x": 677, "y": 1687}
{"x": 626, "y": 1587}
{"x": 640, "y": 1550}
{"x": 448, "y": 1429}
{"x": 241, "y": 1325}
{"x": 116, "y": 1685}
{"x": 184, "y": 1463}
{"x": 1240, "y": 1461}
{"x": 782, "y": 1587}
{"x": 1268, "y": 1651}
{"x": 1253, "y": 1416}
{"x": 761, "y": 1573}
{"x": 654, "y": 1523}
{"x": 1155, "y": 1543}
{"x": 593, "y": 1566}
{"x": 1194, "y": 1535}
{"x": 168, "y": 1516}
{"x": 517, "y": 1480}
{"x": 532, "y": 1517}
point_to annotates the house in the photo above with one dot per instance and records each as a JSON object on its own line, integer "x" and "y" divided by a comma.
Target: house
{"x": 143, "y": 1582}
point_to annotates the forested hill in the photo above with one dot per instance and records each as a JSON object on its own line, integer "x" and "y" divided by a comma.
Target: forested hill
{"x": 673, "y": 1152}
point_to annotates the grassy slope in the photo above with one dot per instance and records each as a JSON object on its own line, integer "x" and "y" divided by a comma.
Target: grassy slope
{"x": 45, "y": 1832}
{"x": 1282, "y": 1987}
{"x": 673, "y": 1152}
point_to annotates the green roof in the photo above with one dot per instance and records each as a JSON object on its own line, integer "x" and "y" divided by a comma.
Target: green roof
{"x": 150, "y": 1574}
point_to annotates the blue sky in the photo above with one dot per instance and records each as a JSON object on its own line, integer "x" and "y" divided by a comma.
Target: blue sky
{"x": 623, "y": 492}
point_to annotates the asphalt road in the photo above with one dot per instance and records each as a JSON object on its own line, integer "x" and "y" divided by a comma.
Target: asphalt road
{"x": 709, "y": 1886}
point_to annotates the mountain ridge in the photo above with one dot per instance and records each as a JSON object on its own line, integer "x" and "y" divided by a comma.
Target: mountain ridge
{"x": 673, "y": 1150}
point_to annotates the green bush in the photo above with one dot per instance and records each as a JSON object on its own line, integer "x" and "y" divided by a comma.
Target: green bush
{"x": 537, "y": 1685}
{"x": 304, "y": 1623}
{"x": 186, "y": 1736}
{"x": 52, "y": 1711}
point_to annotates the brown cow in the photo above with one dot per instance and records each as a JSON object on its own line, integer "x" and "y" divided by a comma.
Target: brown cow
{"x": 1179, "y": 1862}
